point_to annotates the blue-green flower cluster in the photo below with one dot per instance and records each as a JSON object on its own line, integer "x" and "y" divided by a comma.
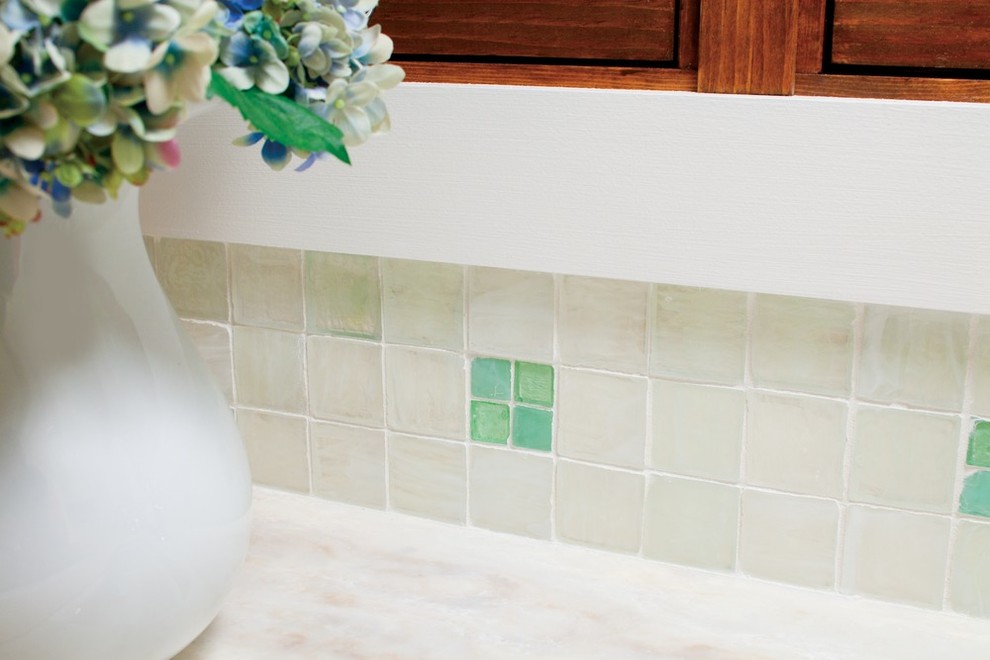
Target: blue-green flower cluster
{"x": 322, "y": 54}
{"x": 91, "y": 93}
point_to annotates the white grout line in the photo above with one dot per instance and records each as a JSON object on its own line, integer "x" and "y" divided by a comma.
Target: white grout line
{"x": 962, "y": 450}
{"x": 852, "y": 411}
{"x": 747, "y": 387}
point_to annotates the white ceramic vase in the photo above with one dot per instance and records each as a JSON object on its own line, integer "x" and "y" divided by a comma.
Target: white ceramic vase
{"x": 124, "y": 488}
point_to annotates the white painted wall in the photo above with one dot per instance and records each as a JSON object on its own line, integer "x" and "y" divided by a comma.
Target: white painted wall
{"x": 870, "y": 201}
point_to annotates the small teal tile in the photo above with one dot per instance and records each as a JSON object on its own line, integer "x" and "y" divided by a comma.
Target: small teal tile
{"x": 975, "y": 498}
{"x": 532, "y": 428}
{"x": 534, "y": 383}
{"x": 490, "y": 422}
{"x": 491, "y": 379}
{"x": 979, "y": 444}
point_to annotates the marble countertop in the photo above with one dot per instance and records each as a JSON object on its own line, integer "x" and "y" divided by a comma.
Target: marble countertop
{"x": 328, "y": 580}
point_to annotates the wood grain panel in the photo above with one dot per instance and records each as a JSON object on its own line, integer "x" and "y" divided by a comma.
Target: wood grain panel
{"x": 551, "y": 75}
{"x": 912, "y": 33}
{"x": 631, "y": 30}
{"x": 687, "y": 33}
{"x": 747, "y": 46}
{"x": 893, "y": 87}
{"x": 811, "y": 36}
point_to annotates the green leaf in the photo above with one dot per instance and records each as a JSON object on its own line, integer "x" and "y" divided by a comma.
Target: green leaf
{"x": 281, "y": 119}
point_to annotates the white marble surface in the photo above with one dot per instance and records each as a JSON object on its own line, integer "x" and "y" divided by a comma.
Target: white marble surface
{"x": 326, "y": 580}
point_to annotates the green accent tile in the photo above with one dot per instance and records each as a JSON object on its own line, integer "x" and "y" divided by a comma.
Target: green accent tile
{"x": 975, "y": 498}
{"x": 490, "y": 422}
{"x": 979, "y": 444}
{"x": 532, "y": 428}
{"x": 491, "y": 379}
{"x": 534, "y": 383}
{"x": 343, "y": 295}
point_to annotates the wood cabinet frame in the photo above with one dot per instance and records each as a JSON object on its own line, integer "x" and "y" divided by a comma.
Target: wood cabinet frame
{"x": 724, "y": 46}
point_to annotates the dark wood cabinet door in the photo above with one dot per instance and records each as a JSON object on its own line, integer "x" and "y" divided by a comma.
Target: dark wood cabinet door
{"x": 931, "y": 34}
{"x": 579, "y": 30}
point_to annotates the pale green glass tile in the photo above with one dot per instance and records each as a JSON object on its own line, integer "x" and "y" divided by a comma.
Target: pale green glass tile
{"x": 699, "y": 334}
{"x": 276, "y": 449}
{"x": 489, "y": 422}
{"x": 194, "y": 276}
{"x": 267, "y": 286}
{"x": 979, "y": 444}
{"x": 423, "y": 303}
{"x": 802, "y": 345}
{"x": 532, "y": 428}
{"x": 534, "y": 383}
{"x": 491, "y": 378}
{"x": 343, "y": 295}
{"x": 268, "y": 369}
{"x": 348, "y": 464}
{"x": 975, "y": 498}
{"x": 914, "y": 356}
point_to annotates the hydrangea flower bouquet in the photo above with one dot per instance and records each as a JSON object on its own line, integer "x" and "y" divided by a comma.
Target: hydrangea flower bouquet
{"x": 91, "y": 93}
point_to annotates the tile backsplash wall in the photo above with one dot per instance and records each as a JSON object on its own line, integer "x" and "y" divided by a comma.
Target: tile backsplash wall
{"x": 825, "y": 444}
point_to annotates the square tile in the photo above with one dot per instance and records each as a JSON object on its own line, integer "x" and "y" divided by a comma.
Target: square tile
{"x": 978, "y": 451}
{"x": 981, "y": 368}
{"x": 795, "y": 443}
{"x": 603, "y": 323}
{"x": 913, "y": 356}
{"x": 342, "y": 295}
{"x": 345, "y": 380}
{"x": 599, "y": 507}
{"x": 602, "y": 418}
{"x": 510, "y": 492}
{"x": 534, "y": 384}
{"x": 802, "y": 345}
{"x": 213, "y": 343}
{"x": 699, "y": 334}
{"x": 194, "y": 275}
{"x": 348, "y": 464}
{"x": 904, "y": 459}
{"x": 489, "y": 422}
{"x": 491, "y": 378}
{"x": 268, "y": 369}
{"x": 697, "y": 430}
{"x": 789, "y": 538}
{"x": 266, "y": 287}
{"x": 423, "y": 303}
{"x": 969, "y": 587}
{"x": 425, "y": 392}
{"x": 975, "y": 498}
{"x": 511, "y": 313}
{"x": 691, "y": 522}
{"x": 427, "y": 478}
{"x": 895, "y": 555}
{"x": 276, "y": 449}
{"x": 532, "y": 428}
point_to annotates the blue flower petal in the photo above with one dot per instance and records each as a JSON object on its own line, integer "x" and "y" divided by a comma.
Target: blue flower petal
{"x": 306, "y": 164}
{"x": 249, "y": 139}
{"x": 277, "y": 155}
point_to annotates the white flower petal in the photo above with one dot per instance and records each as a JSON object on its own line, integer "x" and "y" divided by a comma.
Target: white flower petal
{"x": 239, "y": 78}
{"x": 164, "y": 21}
{"x": 272, "y": 77}
{"x": 361, "y": 93}
{"x": 354, "y": 124}
{"x": 158, "y": 94}
{"x": 96, "y": 23}
{"x": 384, "y": 76}
{"x": 28, "y": 142}
{"x": 130, "y": 56}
